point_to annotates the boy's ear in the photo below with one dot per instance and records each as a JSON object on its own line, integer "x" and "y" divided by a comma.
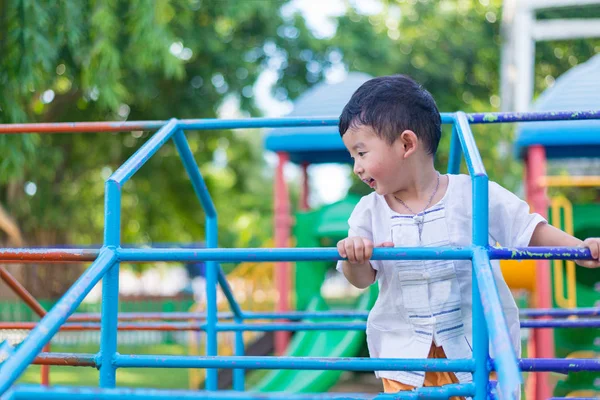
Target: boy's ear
{"x": 410, "y": 141}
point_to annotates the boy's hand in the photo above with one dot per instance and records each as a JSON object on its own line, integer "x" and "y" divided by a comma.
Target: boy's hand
{"x": 594, "y": 245}
{"x": 358, "y": 250}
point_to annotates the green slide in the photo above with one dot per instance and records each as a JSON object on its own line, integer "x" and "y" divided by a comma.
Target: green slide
{"x": 318, "y": 344}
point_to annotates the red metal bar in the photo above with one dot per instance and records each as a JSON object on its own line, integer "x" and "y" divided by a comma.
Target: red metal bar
{"x": 23, "y": 293}
{"x": 305, "y": 190}
{"x": 141, "y": 316}
{"x": 96, "y": 327}
{"x": 282, "y": 238}
{"x": 65, "y": 359}
{"x": 16, "y": 255}
{"x": 37, "y": 308}
{"x": 79, "y": 127}
{"x": 537, "y": 197}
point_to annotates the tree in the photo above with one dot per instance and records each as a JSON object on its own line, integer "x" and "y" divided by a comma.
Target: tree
{"x": 138, "y": 60}
{"x": 452, "y": 47}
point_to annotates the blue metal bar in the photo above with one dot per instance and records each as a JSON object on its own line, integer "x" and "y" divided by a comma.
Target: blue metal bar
{"x": 526, "y": 364}
{"x": 285, "y": 326}
{"x": 480, "y": 238}
{"x": 238, "y": 373}
{"x": 290, "y": 254}
{"x": 85, "y": 393}
{"x": 123, "y": 126}
{"x": 565, "y": 323}
{"x": 273, "y": 254}
{"x": 455, "y": 152}
{"x": 469, "y": 147}
{"x": 312, "y": 363}
{"x": 14, "y": 366}
{"x": 300, "y": 122}
{"x": 441, "y": 392}
{"x": 143, "y": 154}
{"x": 212, "y": 268}
{"x": 233, "y": 304}
{"x": 506, "y": 361}
{"x": 211, "y": 302}
{"x": 563, "y": 365}
{"x": 560, "y": 312}
{"x": 504, "y": 117}
{"x": 193, "y": 171}
{"x": 110, "y": 285}
{"x": 28, "y": 392}
{"x": 539, "y": 253}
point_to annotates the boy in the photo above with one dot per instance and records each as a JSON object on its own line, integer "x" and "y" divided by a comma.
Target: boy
{"x": 391, "y": 127}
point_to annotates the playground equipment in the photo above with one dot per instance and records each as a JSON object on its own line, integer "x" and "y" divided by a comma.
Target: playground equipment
{"x": 105, "y": 266}
{"x": 578, "y": 88}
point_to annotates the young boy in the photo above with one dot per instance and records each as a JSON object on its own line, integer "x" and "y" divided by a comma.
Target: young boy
{"x": 391, "y": 127}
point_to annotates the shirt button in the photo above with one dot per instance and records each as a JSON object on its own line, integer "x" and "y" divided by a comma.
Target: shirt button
{"x": 426, "y": 275}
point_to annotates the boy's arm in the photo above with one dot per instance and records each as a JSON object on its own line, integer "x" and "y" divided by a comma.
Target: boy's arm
{"x": 359, "y": 275}
{"x": 548, "y": 235}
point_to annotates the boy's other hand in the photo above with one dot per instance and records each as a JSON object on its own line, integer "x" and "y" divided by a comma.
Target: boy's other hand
{"x": 594, "y": 245}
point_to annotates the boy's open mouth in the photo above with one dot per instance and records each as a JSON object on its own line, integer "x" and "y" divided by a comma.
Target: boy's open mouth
{"x": 370, "y": 182}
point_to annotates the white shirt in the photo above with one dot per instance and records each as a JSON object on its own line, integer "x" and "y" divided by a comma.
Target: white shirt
{"x": 424, "y": 301}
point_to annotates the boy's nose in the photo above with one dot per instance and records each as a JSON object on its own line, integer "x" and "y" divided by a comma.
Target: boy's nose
{"x": 357, "y": 168}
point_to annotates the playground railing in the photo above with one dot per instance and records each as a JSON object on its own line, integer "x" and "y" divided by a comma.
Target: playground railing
{"x": 105, "y": 266}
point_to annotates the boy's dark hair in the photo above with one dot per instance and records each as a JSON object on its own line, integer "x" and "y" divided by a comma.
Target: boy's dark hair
{"x": 391, "y": 105}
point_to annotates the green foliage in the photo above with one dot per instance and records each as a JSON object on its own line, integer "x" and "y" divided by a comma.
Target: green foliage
{"x": 452, "y": 48}
{"x": 140, "y": 60}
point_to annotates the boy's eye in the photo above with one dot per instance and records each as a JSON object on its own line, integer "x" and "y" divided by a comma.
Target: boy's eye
{"x": 361, "y": 153}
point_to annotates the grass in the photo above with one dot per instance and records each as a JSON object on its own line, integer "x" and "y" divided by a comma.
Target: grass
{"x": 157, "y": 378}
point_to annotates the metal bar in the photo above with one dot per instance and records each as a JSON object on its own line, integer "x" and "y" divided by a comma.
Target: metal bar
{"x": 569, "y": 181}
{"x": 238, "y": 373}
{"x": 539, "y": 253}
{"x": 469, "y": 147}
{"x": 563, "y": 365}
{"x": 205, "y": 124}
{"x": 292, "y": 327}
{"x": 212, "y": 269}
{"x": 455, "y": 152}
{"x": 504, "y": 117}
{"x": 290, "y": 254}
{"x": 299, "y": 315}
{"x": 311, "y": 363}
{"x": 294, "y": 254}
{"x": 480, "y": 238}
{"x": 85, "y": 393}
{"x": 565, "y": 323}
{"x": 193, "y": 171}
{"x": 143, "y": 154}
{"x": 34, "y": 305}
{"x": 14, "y": 366}
{"x": 557, "y": 312}
{"x": 28, "y": 392}
{"x": 526, "y": 364}
{"x": 506, "y": 361}
{"x": 20, "y": 255}
{"x": 80, "y": 127}
{"x": 269, "y": 327}
{"x": 110, "y": 285}
{"x": 66, "y": 359}
{"x": 22, "y": 292}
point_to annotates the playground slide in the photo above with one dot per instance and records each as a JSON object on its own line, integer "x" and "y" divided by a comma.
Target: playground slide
{"x": 318, "y": 344}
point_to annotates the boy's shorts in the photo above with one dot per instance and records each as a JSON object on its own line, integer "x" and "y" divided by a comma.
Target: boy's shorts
{"x": 431, "y": 378}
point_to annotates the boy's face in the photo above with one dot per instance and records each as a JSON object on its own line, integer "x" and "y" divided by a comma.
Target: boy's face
{"x": 376, "y": 163}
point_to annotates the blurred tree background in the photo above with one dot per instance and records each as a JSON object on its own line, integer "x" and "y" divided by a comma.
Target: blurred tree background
{"x": 153, "y": 60}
